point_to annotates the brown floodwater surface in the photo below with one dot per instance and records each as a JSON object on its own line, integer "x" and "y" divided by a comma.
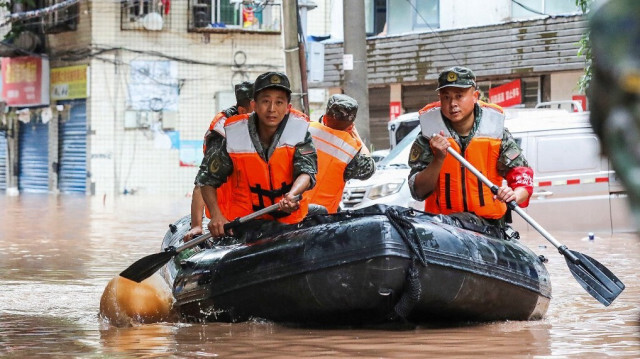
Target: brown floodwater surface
{"x": 57, "y": 254}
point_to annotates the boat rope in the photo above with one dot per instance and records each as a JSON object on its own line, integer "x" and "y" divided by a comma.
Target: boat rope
{"x": 410, "y": 296}
{"x": 407, "y": 232}
{"x": 412, "y": 288}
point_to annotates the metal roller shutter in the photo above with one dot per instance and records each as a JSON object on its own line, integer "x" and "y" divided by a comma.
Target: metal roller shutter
{"x": 33, "y": 172}
{"x": 72, "y": 141}
{"x": 416, "y": 97}
{"x": 3, "y": 160}
{"x": 379, "y": 98}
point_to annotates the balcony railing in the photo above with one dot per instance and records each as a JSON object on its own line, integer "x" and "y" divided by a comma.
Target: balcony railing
{"x": 226, "y": 16}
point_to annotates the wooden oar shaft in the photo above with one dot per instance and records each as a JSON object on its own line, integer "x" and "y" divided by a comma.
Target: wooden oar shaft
{"x": 231, "y": 224}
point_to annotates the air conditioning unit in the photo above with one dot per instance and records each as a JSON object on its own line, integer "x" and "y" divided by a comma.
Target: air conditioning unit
{"x": 201, "y": 15}
{"x": 169, "y": 120}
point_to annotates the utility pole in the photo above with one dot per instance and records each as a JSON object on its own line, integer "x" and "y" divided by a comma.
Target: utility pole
{"x": 355, "y": 63}
{"x": 292, "y": 51}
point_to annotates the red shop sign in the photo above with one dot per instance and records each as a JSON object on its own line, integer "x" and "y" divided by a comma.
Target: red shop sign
{"x": 507, "y": 95}
{"x": 25, "y": 81}
{"x": 395, "y": 110}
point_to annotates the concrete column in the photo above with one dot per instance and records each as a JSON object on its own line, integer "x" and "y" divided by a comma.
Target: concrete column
{"x": 355, "y": 76}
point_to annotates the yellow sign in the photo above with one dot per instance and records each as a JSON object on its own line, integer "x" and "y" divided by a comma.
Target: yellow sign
{"x": 68, "y": 83}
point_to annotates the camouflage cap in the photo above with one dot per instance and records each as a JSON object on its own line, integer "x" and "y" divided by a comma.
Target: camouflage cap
{"x": 244, "y": 91}
{"x": 342, "y": 107}
{"x": 456, "y": 76}
{"x": 271, "y": 80}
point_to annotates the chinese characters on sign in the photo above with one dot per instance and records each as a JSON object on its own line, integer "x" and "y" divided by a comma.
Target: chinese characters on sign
{"x": 69, "y": 83}
{"x": 25, "y": 81}
{"x": 507, "y": 95}
{"x": 395, "y": 110}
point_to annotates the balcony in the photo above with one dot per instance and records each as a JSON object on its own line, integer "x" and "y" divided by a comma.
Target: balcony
{"x": 213, "y": 16}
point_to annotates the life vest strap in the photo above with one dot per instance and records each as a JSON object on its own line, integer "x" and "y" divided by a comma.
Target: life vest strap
{"x": 271, "y": 194}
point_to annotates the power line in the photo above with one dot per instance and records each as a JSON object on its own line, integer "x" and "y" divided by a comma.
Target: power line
{"x": 528, "y": 8}
{"x": 433, "y": 32}
{"x": 37, "y": 13}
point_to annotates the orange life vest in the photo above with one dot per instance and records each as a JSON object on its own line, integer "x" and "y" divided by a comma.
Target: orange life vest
{"x": 459, "y": 190}
{"x": 335, "y": 150}
{"x": 256, "y": 184}
{"x": 222, "y": 192}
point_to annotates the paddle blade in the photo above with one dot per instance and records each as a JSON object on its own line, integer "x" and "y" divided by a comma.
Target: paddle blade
{"x": 595, "y": 278}
{"x": 144, "y": 267}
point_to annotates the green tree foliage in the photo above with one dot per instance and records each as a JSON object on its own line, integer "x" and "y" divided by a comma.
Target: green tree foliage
{"x": 585, "y": 48}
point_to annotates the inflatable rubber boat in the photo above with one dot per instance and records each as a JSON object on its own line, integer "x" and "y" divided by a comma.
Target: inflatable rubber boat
{"x": 374, "y": 265}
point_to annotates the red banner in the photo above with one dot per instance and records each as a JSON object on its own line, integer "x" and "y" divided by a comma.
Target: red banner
{"x": 583, "y": 101}
{"x": 25, "y": 81}
{"x": 507, "y": 95}
{"x": 395, "y": 110}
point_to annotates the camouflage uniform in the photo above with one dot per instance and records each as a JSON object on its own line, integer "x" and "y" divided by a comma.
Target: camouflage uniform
{"x": 361, "y": 167}
{"x": 217, "y": 165}
{"x": 510, "y": 153}
{"x": 614, "y": 91}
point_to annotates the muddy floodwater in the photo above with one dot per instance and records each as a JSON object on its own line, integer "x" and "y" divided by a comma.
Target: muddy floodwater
{"x": 58, "y": 253}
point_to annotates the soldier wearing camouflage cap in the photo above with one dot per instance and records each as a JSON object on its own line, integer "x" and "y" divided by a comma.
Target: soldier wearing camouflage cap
{"x": 244, "y": 95}
{"x": 476, "y": 131}
{"x": 267, "y": 157}
{"x": 341, "y": 153}
{"x": 614, "y": 91}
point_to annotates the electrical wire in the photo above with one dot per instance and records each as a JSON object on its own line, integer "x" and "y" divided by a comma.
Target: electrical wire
{"x": 528, "y": 8}
{"x": 438, "y": 38}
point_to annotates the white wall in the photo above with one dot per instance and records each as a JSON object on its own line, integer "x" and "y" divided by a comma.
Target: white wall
{"x": 564, "y": 85}
{"x": 464, "y": 13}
{"x": 319, "y": 19}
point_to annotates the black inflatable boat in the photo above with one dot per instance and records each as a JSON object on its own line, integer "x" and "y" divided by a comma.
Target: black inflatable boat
{"x": 374, "y": 265}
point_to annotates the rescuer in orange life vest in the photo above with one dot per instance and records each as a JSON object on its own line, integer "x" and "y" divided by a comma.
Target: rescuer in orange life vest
{"x": 475, "y": 130}
{"x": 341, "y": 153}
{"x": 267, "y": 157}
{"x": 244, "y": 95}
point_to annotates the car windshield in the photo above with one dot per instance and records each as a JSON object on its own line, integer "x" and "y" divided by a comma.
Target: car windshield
{"x": 399, "y": 155}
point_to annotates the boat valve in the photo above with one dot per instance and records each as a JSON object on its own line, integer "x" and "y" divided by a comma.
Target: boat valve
{"x": 543, "y": 259}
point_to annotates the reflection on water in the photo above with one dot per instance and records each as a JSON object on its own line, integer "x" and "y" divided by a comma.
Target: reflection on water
{"x": 58, "y": 253}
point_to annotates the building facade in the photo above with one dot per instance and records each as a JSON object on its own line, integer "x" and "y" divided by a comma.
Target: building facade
{"x": 132, "y": 87}
{"x": 522, "y": 53}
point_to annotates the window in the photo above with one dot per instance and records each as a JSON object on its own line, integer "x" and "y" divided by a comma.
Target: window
{"x": 412, "y": 15}
{"x": 143, "y": 14}
{"x": 375, "y": 16}
{"x": 234, "y": 14}
{"x": 532, "y": 8}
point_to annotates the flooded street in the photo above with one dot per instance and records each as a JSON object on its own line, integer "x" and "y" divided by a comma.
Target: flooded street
{"x": 58, "y": 253}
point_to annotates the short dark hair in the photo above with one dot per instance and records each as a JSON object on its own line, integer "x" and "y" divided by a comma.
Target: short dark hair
{"x": 246, "y": 103}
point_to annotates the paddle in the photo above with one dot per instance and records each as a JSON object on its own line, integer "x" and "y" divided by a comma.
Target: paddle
{"x": 144, "y": 267}
{"x": 594, "y": 277}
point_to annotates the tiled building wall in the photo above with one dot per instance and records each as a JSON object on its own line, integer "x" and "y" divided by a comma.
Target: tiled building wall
{"x": 141, "y": 159}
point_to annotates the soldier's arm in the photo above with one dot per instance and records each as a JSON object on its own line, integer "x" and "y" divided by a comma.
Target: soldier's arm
{"x": 361, "y": 167}
{"x": 305, "y": 160}
{"x": 216, "y": 165}
{"x": 513, "y": 166}
{"x": 424, "y": 172}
